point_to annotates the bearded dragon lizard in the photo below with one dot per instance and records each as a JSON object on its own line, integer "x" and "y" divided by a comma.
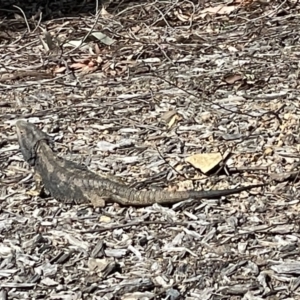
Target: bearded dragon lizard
{"x": 70, "y": 182}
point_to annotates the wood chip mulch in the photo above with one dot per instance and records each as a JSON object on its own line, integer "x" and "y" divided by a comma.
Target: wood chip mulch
{"x": 132, "y": 90}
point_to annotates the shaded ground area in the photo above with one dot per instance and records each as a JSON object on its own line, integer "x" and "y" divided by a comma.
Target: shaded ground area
{"x": 132, "y": 92}
{"x": 45, "y": 9}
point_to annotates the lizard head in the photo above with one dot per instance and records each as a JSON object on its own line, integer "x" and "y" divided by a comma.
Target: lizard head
{"x": 29, "y": 137}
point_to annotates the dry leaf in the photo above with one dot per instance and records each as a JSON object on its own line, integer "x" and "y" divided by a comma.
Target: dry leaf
{"x": 205, "y": 161}
{"x": 103, "y": 38}
{"x": 97, "y": 264}
{"x": 59, "y": 69}
{"x": 97, "y": 49}
{"x": 231, "y": 79}
{"x": 181, "y": 16}
{"x": 268, "y": 151}
{"x": 33, "y": 193}
{"x": 77, "y": 65}
{"x": 170, "y": 117}
{"x": 104, "y": 219}
{"x": 88, "y": 70}
{"x": 86, "y": 66}
{"x": 105, "y": 14}
{"x": 244, "y": 2}
{"x": 173, "y": 121}
{"x": 167, "y": 116}
{"x": 48, "y": 41}
{"x": 219, "y": 9}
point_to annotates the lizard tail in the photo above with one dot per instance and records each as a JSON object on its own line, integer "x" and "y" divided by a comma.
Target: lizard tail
{"x": 143, "y": 198}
